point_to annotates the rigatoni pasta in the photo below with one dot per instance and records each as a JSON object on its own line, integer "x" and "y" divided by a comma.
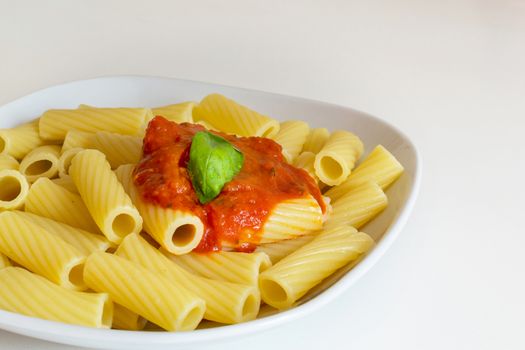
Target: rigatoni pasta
{"x": 180, "y": 112}
{"x": 104, "y": 196}
{"x": 13, "y": 189}
{"x": 118, "y": 149}
{"x": 20, "y": 140}
{"x": 41, "y": 162}
{"x": 292, "y": 136}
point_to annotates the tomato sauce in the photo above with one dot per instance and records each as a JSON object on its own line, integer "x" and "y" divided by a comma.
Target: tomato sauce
{"x": 235, "y": 217}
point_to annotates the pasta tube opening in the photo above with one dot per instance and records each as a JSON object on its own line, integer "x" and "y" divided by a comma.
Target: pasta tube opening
{"x": 269, "y": 129}
{"x": 41, "y": 162}
{"x": 332, "y": 168}
{"x": 187, "y": 231}
{"x": 184, "y": 234}
{"x": 76, "y": 274}
{"x": 273, "y": 292}
{"x": 192, "y": 318}
{"x": 73, "y": 275}
{"x": 39, "y": 167}
{"x": 13, "y": 189}
{"x": 250, "y": 307}
{"x": 122, "y": 224}
{"x": 65, "y": 161}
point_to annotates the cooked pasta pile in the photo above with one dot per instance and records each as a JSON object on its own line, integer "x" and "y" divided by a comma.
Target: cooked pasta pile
{"x": 80, "y": 244}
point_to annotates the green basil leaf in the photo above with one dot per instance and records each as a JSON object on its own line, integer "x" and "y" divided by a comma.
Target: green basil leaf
{"x": 213, "y": 163}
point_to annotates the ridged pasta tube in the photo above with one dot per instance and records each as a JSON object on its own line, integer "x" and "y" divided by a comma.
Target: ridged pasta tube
{"x": 20, "y": 140}
{"x": 292, "y": 218}
{"x": 119, "y": 149}
{"x": 278, "y": 250}
{"x": 78, "y": 139}
{"x": 14, "y": 189}
{"x": 306, "y": 161}
{"x": 85, "y": 242}
{"x": 8, "y": 162}
{"x": 225, "y": 302}
{"x": 104, "y": 196}
{"x": 41, "y": 162}
{"x": 29, "y": 294}
{"x": 176, "y": 231}
{"x": 180, "y": 112}
{"x": 291, "y": 136}
{"x": 146, "y": 293}
{"x": 45, "y": 198}
{"x": 233, "y": 118}
{"x": 234, "y": 267}
{"x": 358, "y": 206}
{"x": 66, "y": 183}
{"x": 64, "y": 162}
{"x": 285, "y": 282}
{"x": 379, "y": 166}
{"x": 126, "y": 319}
{"x": 55, "y": 123}
{"x": 316, "y": 140}
{"x": 40, "y": 251}
{"x": 338, "y": 156}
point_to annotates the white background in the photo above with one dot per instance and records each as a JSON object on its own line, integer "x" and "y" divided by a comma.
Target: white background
{"x": 451, "y": 74}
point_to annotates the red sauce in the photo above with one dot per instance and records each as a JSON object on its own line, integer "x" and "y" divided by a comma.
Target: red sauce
{"x": 235, "y": 217}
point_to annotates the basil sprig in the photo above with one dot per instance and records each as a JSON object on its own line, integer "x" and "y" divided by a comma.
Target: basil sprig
{"x": 213, "y": 163}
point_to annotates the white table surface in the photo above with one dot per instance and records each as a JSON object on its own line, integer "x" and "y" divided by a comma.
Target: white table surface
{"x": 451, "y": 74}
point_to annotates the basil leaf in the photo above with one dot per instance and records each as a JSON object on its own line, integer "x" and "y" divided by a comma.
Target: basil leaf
{"x": 213, "y": 163}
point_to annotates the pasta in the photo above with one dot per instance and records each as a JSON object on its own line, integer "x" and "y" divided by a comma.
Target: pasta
{"x": 106, "y": 200}
{"x": 225, "y": 302}
{"x": 180, "y": 112}
{"x": 32, "y": 295}
{"x": 211, "y": 211}
{"x": 40, "y": 162}
{"x": 177, "y": 232}
{"x": 50, "y": 200}
{"x": 292, "y": 136}
{"x": 119, "y": 149}
{"x": 39, "y": 251}
{"x": 14, "y": 189}
{"x": 20, "y": 140}
{"x": 358, "y": 206}
{"x": 289, "y": 279}
{"x": 231, "y": 117}
{"x": 379, "y": 166}
{"x": 78, "y": 139}
{"x": 55, "y": 123}
{"x": 316, "y": 140}
{"x": 338, "y": 156}
{"x": 85, "y": 242}
{"x": 146, "y": 293}
{"x": 242, "y": 268}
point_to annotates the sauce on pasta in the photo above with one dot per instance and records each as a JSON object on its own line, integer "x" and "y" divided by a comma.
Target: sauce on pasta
{"x": 235, "y": 217}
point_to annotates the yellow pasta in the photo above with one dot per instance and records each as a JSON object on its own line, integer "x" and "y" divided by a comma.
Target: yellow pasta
{"x": 176, "y": 231}
{"x": 55, "y": 123}
{"x": 20, "y": 140}
{"x": 292, "y": 218}
{"x": 231, "y": 117}
{"x": 338, "y": 156}
{"x": 292, "y": 136}
{"x": 106, "y": 200}
{"x": 285, "y": 282}
{"x": 41, "y": 252}
{"x": 306, "y": 161}
{"x": 146, "y": 293}
{"x": 14, "y": 189}
{"x": 180, "y": 112}
{"x": 358, "y": 206}
{"x": 278, "y": 250}
{"x": 119, "y": 149}
{"x": 66, "y": 183}
{"x": 225, "y": 302}
{"x": 85, "y": 242}
{"x": 78, "y": 139}
{"x": 126, "y": 319}
{"x": 53, "y": 201}
{"x": 316, "y": 140}
{"x": 41, "y": 162}
{"x": 4, "y": 261}
{"x": 64, "y": 162}
{"x": 29, "y": 294}
{"x": 207, "y": 125}
{"x": 8, "y": 162}
{"x": 379, "y": 166}
{"x": 234, "y": 267}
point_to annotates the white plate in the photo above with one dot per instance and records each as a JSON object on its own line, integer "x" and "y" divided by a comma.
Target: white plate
{"x": 148, "y": 91}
